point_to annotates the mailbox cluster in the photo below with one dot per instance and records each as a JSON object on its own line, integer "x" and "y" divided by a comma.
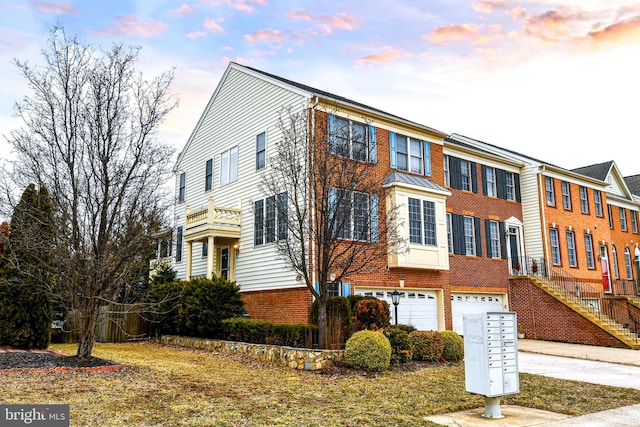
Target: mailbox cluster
{"x": 491, "y": 353}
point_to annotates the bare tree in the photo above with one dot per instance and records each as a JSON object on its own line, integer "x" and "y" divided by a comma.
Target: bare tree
{"x": 323, "y": 185}
{"x": 89, "y": 136}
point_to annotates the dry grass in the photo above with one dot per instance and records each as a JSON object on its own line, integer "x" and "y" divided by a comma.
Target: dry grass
{"x": 175, "y": 387}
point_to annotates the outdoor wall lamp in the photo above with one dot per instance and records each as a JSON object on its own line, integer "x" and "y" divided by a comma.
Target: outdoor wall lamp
{"x": 395, "y": 299}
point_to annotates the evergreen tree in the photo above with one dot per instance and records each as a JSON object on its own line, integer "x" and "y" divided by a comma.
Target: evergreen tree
{"x": 26, "y": 286}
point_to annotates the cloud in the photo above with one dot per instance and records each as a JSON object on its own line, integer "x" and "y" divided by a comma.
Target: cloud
{"x": 299, "y": 14}
{"x": 624, "y": 31}
{"x": 389, "y": 55}
{"x": 213, "y": 26}
{"x": 517, "y": 13}
{"x": 184, "y": 10}
{"x": 196, "y": 34}
{"x": 452, "y": 33}
{"x": 61, "y": 9}
{"x": 241, "y": 5}
{"x": 488, "y": 6}
{"x": 266, "y": 36}
{"x": 327, "y": 23}
{"x": 133, "y": 26}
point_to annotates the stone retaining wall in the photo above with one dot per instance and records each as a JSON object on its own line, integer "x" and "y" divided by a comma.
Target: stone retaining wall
{"x": 294, "y": 358}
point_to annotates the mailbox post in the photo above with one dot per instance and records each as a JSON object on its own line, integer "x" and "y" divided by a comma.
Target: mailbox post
{"x": 491, "y": 357}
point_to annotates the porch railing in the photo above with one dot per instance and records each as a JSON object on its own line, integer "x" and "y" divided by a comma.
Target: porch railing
{"x": 615, "y": 312}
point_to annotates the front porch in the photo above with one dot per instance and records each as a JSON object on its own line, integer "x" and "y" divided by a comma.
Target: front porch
{"x": 219, "y": 229}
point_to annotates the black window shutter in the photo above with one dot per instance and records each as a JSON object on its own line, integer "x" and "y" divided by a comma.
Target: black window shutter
{"x": 478, "y": 237}
{"x": 484, "y": 179}
{"x": 501, "y": 184}
{"x": 454, "y": 172}
{"x": 474, "y": 176}
{"x": 503, "y": 241}
{"x": 516, "y": 183}
{"x": 458, "y": 234}
{"x": 487, "y": 233}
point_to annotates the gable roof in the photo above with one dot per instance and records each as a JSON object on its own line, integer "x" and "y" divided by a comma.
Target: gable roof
{"x": 633, "y": 182}
{"x": 597, "y": 171}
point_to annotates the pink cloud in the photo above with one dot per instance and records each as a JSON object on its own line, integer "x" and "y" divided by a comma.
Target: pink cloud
{"x": 131, "y": 25}
{"x": 488, "y": 6}
{"x": 624, "y": 31}
{"x": 241, "y": 5}
{"x": 561, "y": 24}
{"x": 184, "y": 10}
{"x": 213, "y": 26}
{"x": 54, "y": 8}
{"x": 266, "y": 36}
{"x": 342, "y": 21}
{"x": 299, "y": 14}
{"x": 196, "y": 34}
{"x": 452, "y": 33}
{"x": 517, "y": 13}
{"x": 390, "y": 55}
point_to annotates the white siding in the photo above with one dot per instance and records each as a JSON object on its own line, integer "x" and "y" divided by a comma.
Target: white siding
{"x": 531, "y": 218}
{"x": 244, "y": 106}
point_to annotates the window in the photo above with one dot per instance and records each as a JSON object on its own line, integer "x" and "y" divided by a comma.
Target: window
{"x": 493, "y": 239}
{"x": 261, "y": 150}
{"x": 627, "y": 263}
{"x": 469, "y": 236}
{"x": 449, "y": 234}
{"x": 571, "y": 249}
{"x": 551, "y": 198}
{"x": 205, "y": 249}
{"x": 410, "y": 154}
{"x": 354, "y": 214}
{"x": 614, "y": 256}
{"x": 623, "y": 219}
{"x": 465, "y": 231}
{"x": 351, "y": 139}
{"x": 270, "y": 219}
{"x": 566, "y": 195}
{"x": 465, "y": 175}
{"x": 422, "y": 222}
{"x": 179, "y": 245}
{"x": 229, "y": 166}
{"x": 208, "y": 175}
{"x": 610, "y": 214}
{"x": 182, "y": 187}
{"x": 597, "y": 199}
{"x": 511, "y": 191}
{"x": 490, "y": 178}
{"x": 634, "y": 221}
{"x": 555, "y": 246}
{"x": 588, "y": 247}
{"x": 447, "y": 175}
{"x": 584, "y": 200}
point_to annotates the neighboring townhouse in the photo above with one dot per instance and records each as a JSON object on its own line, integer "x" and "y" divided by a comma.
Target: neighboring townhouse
{"x": 485, "y": 228}
{"x": 220, "y": 212}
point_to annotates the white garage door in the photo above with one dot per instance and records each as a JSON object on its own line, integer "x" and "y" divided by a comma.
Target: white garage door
{"x": 462, "y": 304}
{"x": 417, "y": 308}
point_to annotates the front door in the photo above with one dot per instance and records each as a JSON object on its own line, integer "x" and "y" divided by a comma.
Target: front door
{"x": 224, "y": 262}
{"x": 513, "y": 250}
{"x": 606, "y": 276}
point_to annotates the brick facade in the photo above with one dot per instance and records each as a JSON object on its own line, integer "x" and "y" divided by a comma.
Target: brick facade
{"x": 279, "y": 306}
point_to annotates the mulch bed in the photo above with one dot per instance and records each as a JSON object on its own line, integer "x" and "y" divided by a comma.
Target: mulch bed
{"x": 50, "y": 361}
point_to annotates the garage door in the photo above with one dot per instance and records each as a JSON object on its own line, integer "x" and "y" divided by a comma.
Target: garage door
{"x": 462, "y": 304}
{"x": 417, "y": 308}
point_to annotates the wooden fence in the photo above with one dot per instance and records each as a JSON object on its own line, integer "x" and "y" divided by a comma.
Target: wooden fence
{"x": 120, "y": 323}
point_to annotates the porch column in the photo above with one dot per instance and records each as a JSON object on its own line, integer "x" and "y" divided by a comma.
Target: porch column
{"x": 210, "y": 255}
{"x": 189, "y": 244}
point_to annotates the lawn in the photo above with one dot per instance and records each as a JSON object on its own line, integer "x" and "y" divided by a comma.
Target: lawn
{"x": 170, "y": 386}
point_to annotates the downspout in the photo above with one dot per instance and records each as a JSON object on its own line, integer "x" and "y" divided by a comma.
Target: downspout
{"x": 312, "y": 249}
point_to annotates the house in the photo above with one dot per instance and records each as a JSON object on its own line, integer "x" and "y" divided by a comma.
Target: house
{"x": 219, "y": 209}
{"x": 485, "y": 227}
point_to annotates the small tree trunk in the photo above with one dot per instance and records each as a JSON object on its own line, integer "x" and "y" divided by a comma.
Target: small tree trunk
{"x": 87, "y": 332}
{"x": 322, "y": 321}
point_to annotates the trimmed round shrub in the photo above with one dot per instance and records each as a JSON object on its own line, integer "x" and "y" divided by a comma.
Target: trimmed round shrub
{"x": 400, "y": 344}
{"x": 368, "y": 350}
{"x": 426, "y": 345}
{"x": 453, "y": 346}
{"x": 372, "y": 314}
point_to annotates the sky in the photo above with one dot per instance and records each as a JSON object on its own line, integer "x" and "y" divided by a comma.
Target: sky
{"x": 558, "y": 80}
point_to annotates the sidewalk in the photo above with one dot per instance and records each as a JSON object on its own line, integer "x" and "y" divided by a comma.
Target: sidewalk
{"x": 578, "y": 351}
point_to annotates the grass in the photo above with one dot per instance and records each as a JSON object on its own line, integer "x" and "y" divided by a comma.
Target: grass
{"x": 170, "y": 386}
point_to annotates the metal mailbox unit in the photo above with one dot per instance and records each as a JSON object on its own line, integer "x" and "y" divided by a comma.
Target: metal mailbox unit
{"x": 491, "y": 357}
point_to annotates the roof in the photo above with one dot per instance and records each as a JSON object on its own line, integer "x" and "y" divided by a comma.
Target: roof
{"x": 328, "y": 95}
{"x": 415, "y": 181}
{"x": 633, "y": 182}
{"x": 598, "y": 171}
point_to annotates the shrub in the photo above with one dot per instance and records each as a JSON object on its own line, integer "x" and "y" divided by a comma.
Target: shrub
{"x": 372, "y": 314}
{"x": 426, "y": 345}
{"x": 400, "y": 344}
{"x": 337, "y": 307}
{"x": 205, "y": 303}
{"x": 165, "y": 299}
{"x": 295, "y": 335}
{"x": 264, "y": 332}
{"x": 368, "y": 350}
{"x": 453, "y": 346}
